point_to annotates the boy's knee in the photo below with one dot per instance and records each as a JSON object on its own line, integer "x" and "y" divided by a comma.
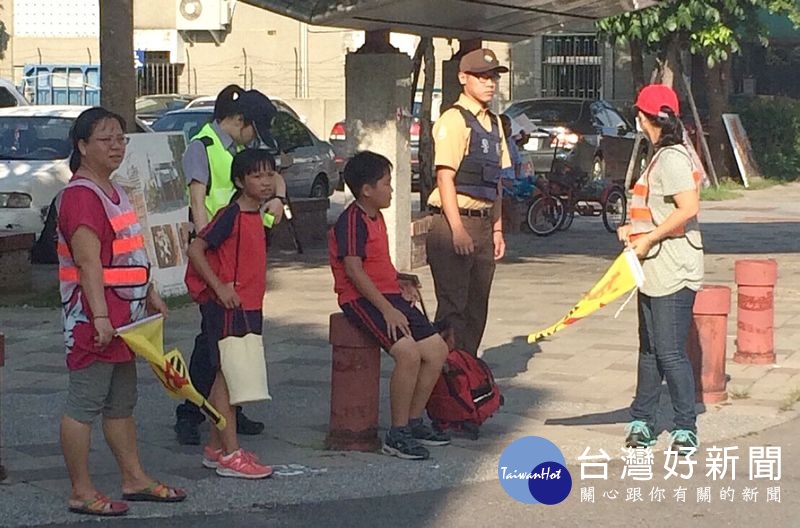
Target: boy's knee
{"x": 434, "y": 350}
{"x": 406, "y": 354}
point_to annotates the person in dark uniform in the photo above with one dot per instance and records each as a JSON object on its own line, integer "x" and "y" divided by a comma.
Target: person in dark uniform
{"x": 242, "y": 118}
{"x": 466, "y": 237}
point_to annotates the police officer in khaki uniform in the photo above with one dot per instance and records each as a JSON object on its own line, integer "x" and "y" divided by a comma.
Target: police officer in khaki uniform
{"x": 466, "y": 237}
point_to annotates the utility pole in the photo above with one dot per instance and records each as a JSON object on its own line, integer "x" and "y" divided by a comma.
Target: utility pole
{"x": 118, "y": 75}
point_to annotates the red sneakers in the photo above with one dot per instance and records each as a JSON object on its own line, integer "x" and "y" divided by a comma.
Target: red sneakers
{"x": 211, "y": 457}
{"x": 240, "y": 464}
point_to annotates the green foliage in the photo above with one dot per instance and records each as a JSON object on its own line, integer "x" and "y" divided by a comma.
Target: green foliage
{"x": 773, "y": 127}
{"x": 713, "y": 29}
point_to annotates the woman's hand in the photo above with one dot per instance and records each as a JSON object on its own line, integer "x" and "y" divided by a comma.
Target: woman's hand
{"x": 624, "y": 234}
{"x": 227, "y": 296}
{"x": 105, "y": 332}
{"x": 642, "y": 245}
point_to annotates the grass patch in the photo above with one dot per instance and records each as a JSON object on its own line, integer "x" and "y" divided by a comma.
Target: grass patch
{"x": 739, "y": 393}
{"x": 792, "y": 398}
{"x": 727, "y": 190}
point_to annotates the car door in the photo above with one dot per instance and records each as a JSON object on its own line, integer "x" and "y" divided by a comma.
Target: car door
{"x": 616, "y": 140}
{"x": 622, "y": 144}
{"x": 295, "y": 141}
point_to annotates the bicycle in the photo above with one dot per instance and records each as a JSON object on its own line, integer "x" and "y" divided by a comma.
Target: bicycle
{"x": 565, "y": 192}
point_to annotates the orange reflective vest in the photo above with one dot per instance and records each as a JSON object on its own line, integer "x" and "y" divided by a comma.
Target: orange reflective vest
{"x": 640, "y": 215}
{"x": 128, "y": 273}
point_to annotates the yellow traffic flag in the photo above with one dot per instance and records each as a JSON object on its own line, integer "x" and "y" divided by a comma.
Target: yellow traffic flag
{"x": 624, "y": 275}
{"x": 146, "y": 338}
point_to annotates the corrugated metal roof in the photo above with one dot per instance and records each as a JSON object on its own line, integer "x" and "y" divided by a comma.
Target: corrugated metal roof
{"x": 501, "y": 20}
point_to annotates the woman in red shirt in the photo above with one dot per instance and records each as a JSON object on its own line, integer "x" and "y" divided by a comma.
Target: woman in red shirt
{"x": 104, "y": 280}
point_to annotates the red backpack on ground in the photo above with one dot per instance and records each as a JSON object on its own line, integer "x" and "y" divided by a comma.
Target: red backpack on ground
{"x": 465, "y": 395}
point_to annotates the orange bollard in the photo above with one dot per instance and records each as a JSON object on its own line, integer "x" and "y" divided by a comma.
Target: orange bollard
{"x": 756, "y": 311}
{"x": 355, "y": 388}
{"x": 707, "y": 342}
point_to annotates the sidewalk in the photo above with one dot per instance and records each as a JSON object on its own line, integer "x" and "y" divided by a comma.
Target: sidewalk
{"x": 573, "y": 389}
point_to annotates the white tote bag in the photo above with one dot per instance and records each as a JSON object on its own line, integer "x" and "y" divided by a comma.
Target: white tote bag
{"x": 245, "y": 368}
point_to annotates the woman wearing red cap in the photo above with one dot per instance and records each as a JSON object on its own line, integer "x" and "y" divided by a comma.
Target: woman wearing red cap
{"x": 664, "y": 233}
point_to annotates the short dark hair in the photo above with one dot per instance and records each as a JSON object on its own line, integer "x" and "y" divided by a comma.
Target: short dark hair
{"x": 84, "y": 126}
{"x": 249, "y": 161}
{"x": 365, "y": 168}
{"x": 226, "y": 104}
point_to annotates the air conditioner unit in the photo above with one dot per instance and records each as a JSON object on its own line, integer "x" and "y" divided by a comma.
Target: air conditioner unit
{"x": 202, "y": 15}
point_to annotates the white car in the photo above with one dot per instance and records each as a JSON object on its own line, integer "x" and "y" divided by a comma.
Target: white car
{"x": 34, "y": 162}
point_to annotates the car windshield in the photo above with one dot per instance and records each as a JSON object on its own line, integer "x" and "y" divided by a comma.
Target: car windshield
{"x": 34, "y": 138}
{"x": 187, "y": 122}
{"x": 547, "y": 112}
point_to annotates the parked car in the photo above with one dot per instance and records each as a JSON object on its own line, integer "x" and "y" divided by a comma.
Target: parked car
{"x": 34, "y": 162}
{"x": 307, "y": 162}
{"x": 209, "y": 100}
{"x": 592, "y": 136}
{"x": 338, "y": 139}
{"x": 151, "y": 107}
{"x": 10, "y": 95}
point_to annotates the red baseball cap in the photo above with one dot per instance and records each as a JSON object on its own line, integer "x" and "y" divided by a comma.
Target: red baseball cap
{"x": 655, "y": 96}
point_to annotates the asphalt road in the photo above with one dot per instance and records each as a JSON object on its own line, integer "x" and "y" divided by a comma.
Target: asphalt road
{"x": 486, "y": 504}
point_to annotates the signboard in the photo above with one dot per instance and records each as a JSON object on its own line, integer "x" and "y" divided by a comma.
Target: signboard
{"x": 152, "y": 176}
{"x": 742, "y": 150}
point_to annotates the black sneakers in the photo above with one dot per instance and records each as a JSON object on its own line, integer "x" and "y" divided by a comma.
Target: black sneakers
{"x": 400, "y": 443}
{"x": 427, "y": 435}
{"x": 246, "y": 426}
{"x": 188, "y": 432}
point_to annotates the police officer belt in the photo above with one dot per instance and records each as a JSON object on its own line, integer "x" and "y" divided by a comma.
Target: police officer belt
{"x": 480, "y": 213}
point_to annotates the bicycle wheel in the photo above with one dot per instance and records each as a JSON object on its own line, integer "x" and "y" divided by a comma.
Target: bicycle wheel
{"x": 569, "y": 216}
{"x": 545, "y": 214}
{"x": 615, "y": 209}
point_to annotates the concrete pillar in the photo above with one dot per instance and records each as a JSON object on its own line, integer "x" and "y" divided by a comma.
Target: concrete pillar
{"x": 378, "y": 93}
{"x": 451, "y": 88}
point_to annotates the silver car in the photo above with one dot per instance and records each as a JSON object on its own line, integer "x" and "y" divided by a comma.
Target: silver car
{"x": 307, "y": 162}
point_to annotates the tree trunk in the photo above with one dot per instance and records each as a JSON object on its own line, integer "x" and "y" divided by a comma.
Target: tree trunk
{"x": 118, "y": 76}
{"x": 425, "y": 152}
{"x": 717, "y": 86}
{"x": 637, "y": 64}
{"x": 671, "y": 62}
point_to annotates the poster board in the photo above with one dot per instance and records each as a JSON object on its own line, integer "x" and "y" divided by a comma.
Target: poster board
{"x": 152, "y": 176}
{"x": 742, "y": 150}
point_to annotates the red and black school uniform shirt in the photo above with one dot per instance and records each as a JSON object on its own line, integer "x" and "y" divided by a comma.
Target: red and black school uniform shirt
{"x": 357, "y": 235}
{"x": 237, "y": 249}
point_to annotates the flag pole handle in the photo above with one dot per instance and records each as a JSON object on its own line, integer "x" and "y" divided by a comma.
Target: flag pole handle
{"x": 213, "y": 414}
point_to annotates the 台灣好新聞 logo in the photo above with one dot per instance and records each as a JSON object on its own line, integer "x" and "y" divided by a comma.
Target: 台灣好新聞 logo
{"x": 532, "y": 470}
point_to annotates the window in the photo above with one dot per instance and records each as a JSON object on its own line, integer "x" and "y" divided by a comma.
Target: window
{"x": 290, "y": 133}
{"x": 571, "y": 66}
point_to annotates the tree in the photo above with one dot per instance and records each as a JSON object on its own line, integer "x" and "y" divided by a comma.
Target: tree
{"x": 118, "y": 77}
{"x": 713, "y": 29}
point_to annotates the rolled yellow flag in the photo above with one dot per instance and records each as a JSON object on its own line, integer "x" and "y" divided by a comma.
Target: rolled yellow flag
{"x": 146, "y": 339}
{"x": 624, "y": 275}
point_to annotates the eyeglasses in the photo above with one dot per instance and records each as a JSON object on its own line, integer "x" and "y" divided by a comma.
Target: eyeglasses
{"x": 110, "y": 140}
